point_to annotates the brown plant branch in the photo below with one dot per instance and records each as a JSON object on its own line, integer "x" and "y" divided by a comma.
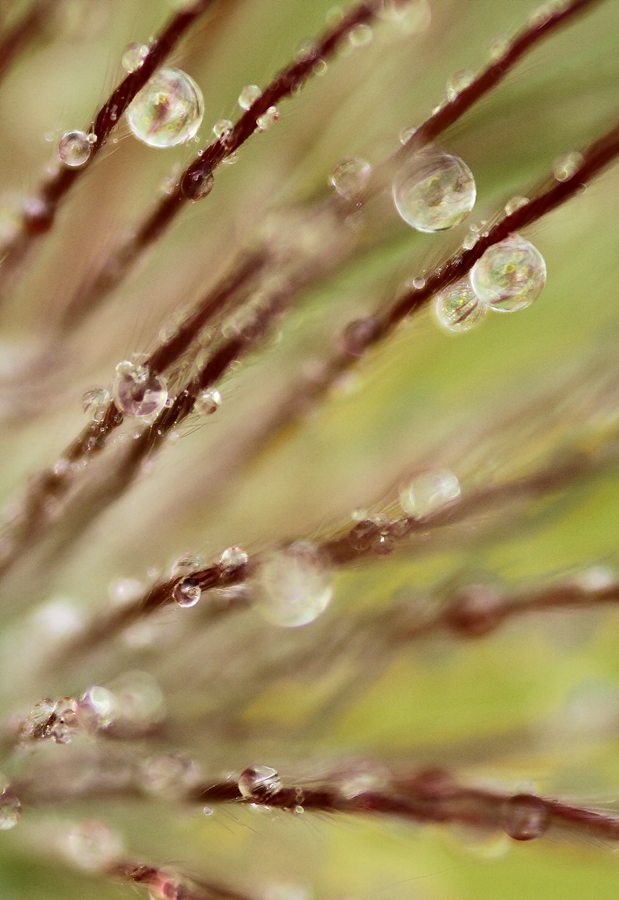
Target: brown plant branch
{"x": 25, "y": 30}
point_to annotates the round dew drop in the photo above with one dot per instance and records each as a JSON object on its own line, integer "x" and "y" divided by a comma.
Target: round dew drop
{"x": 187, "y": 592}
{"x": 139, "y": 392}
{"x": 434, "y": 191}
{"x": 350, "y": 176}
{"x": 525, "y": 817}
{"x": 429, "y": 492}
{"x": 134, "y": 56}
{"x": 510, "y": 275}
{"x": 208, "y": 402}
{"x": 233, "y": 558}
{"x": 222, "y": 128}
{"x": 292, "y": 586}
{"x": 259, "y": 783}
{"x": 168, "y": 110}
{"x": 248, "y": 96}
{"x": 74, "y": 149}
{"x": 459, "y": 309}
{"x": 457, "y": 82}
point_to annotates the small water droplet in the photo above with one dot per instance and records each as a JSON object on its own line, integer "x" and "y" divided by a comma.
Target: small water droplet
{"x": 123, "y": 591}
{"x": 97, "y": 708}
{"x": 168, "y": 110}
{"x": 267, "y": 119}
{"x": 292, "y": 586}
{"x": 170, "y": 774}
{"x": 358, "y": 336}
{"x": 207, "y": 402}
{"x": 419, "y": 283}
{"x": 499, "y": 47}
{"x": 429, "y": 492}
{"x": 459, "y": 309}
{"x": 74, "y": 149}
{"x": 134, "y": 56}
{"x": 164, "y": 886}
{"x": 360, "y": 35}
{"x": 92, "y": 846}
{"x": 197, "y": 185}
{"x": 10, "y": 810}
{"x": 186, "y": 564}
{"x": 222, "y": 129}
{"x": 350, "y": 176}
{"x": 95, "y": 403}
{"x": 187, "y": 592}
{"x": 566, "y": 167}
{"x": 510, "y": 275}
{"x": 248, "y": 96}
{"x": 259, "y": 783}
{"x": 139, "y": 392}
{"x": 457, "y": 82}
{"x": 407, "y": 133}
{"x": 515, "y": 204}
{"x": 525, "y": 817}
{"x": 65, "y": 724}
{"x": 233, "y": 558}
{"x": 434, "y": 191}
{"x": 208, "y": 810}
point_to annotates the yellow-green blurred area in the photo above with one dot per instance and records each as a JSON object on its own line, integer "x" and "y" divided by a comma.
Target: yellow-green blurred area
{"x": 532, "y": 706}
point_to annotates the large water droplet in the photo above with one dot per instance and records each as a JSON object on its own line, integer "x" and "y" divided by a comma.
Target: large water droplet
{"x": 458, "y": 308}
{"x": 74, "y": 149}
{"x": 10, "y": 810}
{"x": 259, "y": 783}
{"x": 248, "y": 96}
{"x": 139, "y": 392}
{"x": 434, "y": 191}
{"x": 429, "y": 492}
{"x": 350, "y": 176}
{"x": 293, "y": 587}
{"x": 168, "y": 110}
{"x": 510, "y": 275}
{"x": 525, "y": 817}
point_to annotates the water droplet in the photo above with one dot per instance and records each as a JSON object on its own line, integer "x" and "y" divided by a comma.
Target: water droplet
{"x": 360, "y": 35}
{"x": 293, "y": 587}
{"x": 187, "y": 592}
{"x": 208, "y": 810}
{"x": 233, "y": 558}
{"x": 168, "y": 110}
{"x": 259, "y": 783}
{"x": 74, "y": 149}
{"x": 457, "y": 82}
{"x": 95, "y": 403}
{"x": 525, "y": 817}
{"x": 434, "y": 191}
{"x": 164, "y": 886}
{"x": 358, "y": 336}
{"x": 566, "y": 167}
{"x": 137, "y": 391}
{"x": 65, "y": 723}
{"x": 10, "y": 810}
{"x": 419, "y": 283}
{"x": 268, "y": 118}
{"x": 134, "y": 56}
{"x": 97, "y": 708}
{"x": 407, "y": 133}
{"x": 248, "y": 96}
{"x": 92, "y": 846}
{"x": 123, "y": 591}
{"x": 499, "y": 47}
{"x": 545, "y": 11}
{"x": 510, "y": 275}
{"x": 396, "y": 10}
{"x": 171, "y": 774}
{"x": 475, "y": 609}
{"x": 197, "y": 185}
{"x": 186, "y": 564}
{"x": 207, "y": 402}
{"x": 515, "y": 204}
{"x": 429, "y": 492}
{"x": 222, "y": 129}
{"x": 459, "y": 309}
{"x": 350, "y": 176}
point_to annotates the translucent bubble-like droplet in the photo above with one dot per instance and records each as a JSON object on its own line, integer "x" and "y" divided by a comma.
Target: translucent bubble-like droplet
{"x": 187, "y": 592}
{"x": 92, "y": 846}
{"x": 65, "y": 723}
{"x": 434, "y": 191}
{"x": 248, "y": 96}
{"x": 74, "y": 149}
{"x": 186, "y": 565}
{"x": 360, "y": 35}
{"x": 525, "y": 817}
{"x": 457, "y": 82}
{"x": 168, "y": 110}
{"x": 95, "y": 403}
{"x": 197, "y": 185}
{"x": 350, "y": 176}
{"x": 207, "y": 402}
{"x": 170, "y": 774}
{"x": 566, "y": 167}
{"x": 407, "y": 133}
{"x": 233, "y": 558}
{"x": 293, "y": 587}
{"x": 259, "y": 783}
{"x": 429, "y": 492}
{"x": 459, "y": 309}
{"x": 97, "y": 708}
{"x": 134, "y": 56}
{"x": 510, "y": 275}
{"x": 10, "y": 810}
{"x": 268, "y": 118}
{"x": 515, "y": 204}
{"x": 139, "y": 392}
{"x": 222, "y": 128}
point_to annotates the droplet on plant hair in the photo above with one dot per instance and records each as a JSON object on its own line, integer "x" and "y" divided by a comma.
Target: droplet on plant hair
{"x": 207, "y": 402}
{"x": 567, "y": 166}
{"x": 187, "y": 592}
{"x": 350, "y": 176}
{"x": 457, "y": 82}
{"x": 134, "y": 56}
{"x": 233, "y": 558}
{"x": 168, "y": 110}
{"x": 434, "y": 191}
{"x": 197, "y": 185}
{"x": 407, "y": 133}
{"x": 510, "y": 275}
{"x": 248, "y": 96}
{"x": 95, "y": 403}
{"x": 259, "y": 783}
{"x": 292, "y": 586}
{"x": 74, "y": 149}
{"x": 429, "y": 492}
{"x": 137, "y": 391}
{"x": 10, "y": 810}
{"x": 92, "y": 846}
{"x": 525, "y": 817}
{"x": 268, "y": 118}
{"x": 515, "y": 204}
{"x": 458, "y": 308}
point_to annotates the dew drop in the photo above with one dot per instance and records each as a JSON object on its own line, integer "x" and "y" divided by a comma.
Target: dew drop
{"x": 407, "y": 133}
{"x": 207, "y": 403}
{"x": 97, "y": 708}
{"x": 137, "y": 391}
{"x": 510, "y": 275}
{"x": 515, "y": 204}
{"x": 434, "y": 191}
{"x": 459, "y": 309}
{"x": 248, "y": 96}
{"x": 259, "y": 783}
{"x": 187, "y": 592}
{"x": 268, "y": 118}
{"x": 164, "y": 886}
{"x": 10, "y": 810}
{"x": 168, "y": 110}
{"x": 360, "y": 35}
{"x": 350, "y": 176}
{"x": 525, "y": 817}
{"x": 95, "y": 403}
{"x": 429, "y": 492}
{"x": 65, "y": 724}
{"x": 358, "y": 335}
{"x": 222, "y": 129}
{"x": 397, "y": 10}
{"x": 123, "y": 591}
{"x": 419, "y": 283}
{"x": 498, "y": 47}
{"x": 207, "y": 810}
{"x": 293, "y": 587}
{"x": 197, "y": 185}
{"x": 186, "y": 564}
{"x": 74, "y": 149}
{"x": 92, "y": 846}
{"x": 457, "y": 82}
{"x": 233, "y": 558}
{"x": 134, "y": 56}
{"x": 170, "y": 774}
{"x": 566, "y": 167}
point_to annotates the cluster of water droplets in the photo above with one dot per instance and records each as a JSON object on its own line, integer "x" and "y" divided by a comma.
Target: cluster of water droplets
{"x": 54, "y": 720}
{"x": 292, "y": 586}
{"x": 434, "y": 191}
{"x": 139, "y": 392}
{"x": 168, "y": 110}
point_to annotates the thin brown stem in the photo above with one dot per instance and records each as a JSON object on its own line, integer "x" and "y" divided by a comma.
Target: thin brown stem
{"x": 172, "y": 883}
